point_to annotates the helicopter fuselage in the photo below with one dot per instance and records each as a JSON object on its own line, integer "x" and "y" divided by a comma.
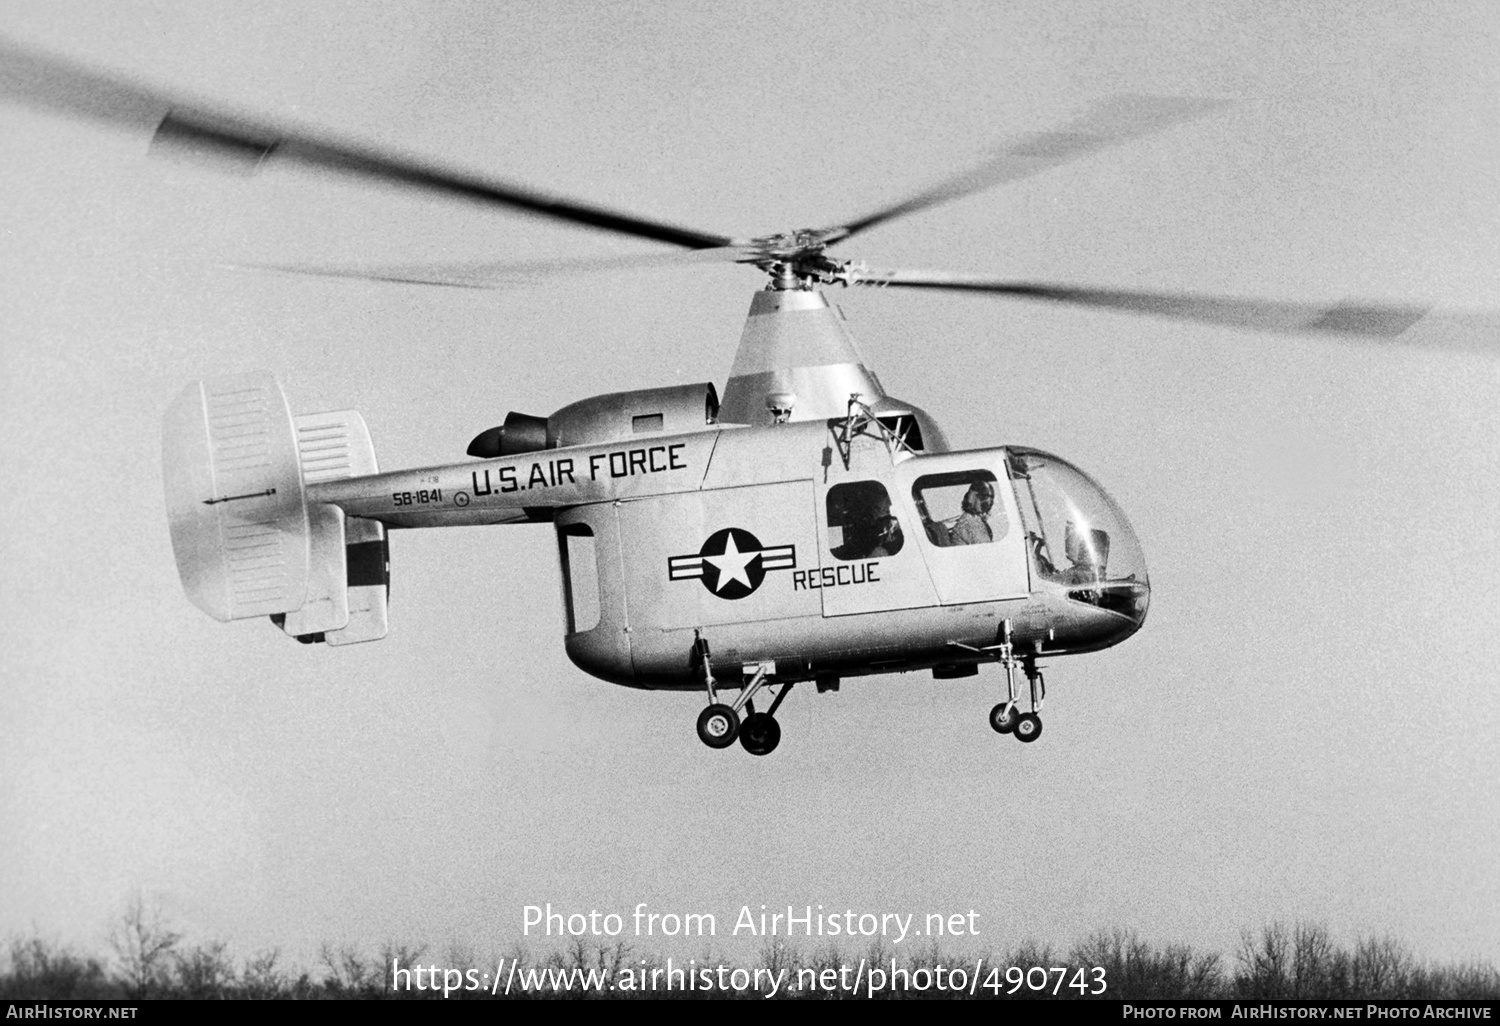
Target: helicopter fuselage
{"x": 815, "y": 549}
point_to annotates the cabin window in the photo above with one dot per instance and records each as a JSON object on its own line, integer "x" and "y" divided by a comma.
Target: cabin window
{"x": 580, "y": 566}
{"x": 960, "y": 508}
{"x": 860, "y": 522}
{"x": 646, "y": 422}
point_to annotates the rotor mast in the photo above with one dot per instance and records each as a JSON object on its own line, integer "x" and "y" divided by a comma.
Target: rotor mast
{"x": 796, "y": 351}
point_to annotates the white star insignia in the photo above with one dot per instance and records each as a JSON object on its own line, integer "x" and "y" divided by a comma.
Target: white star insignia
{"x": 731, "y": 564}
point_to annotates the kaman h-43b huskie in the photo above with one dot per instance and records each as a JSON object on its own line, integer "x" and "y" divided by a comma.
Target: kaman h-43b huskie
{"x": 805, "y": 526}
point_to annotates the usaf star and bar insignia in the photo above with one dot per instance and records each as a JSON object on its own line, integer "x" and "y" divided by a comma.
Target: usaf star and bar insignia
{"x": 732, "y": 563}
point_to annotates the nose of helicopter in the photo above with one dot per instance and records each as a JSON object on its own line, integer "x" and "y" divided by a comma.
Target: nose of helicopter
{"x": 1083, "y": 550}
{"x": 1089, "y": 617}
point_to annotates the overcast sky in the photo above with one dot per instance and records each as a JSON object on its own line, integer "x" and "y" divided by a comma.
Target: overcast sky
{"x": 1305, "y": 727}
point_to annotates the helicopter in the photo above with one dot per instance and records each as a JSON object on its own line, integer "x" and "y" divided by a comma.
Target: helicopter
{"x": 801, "y": 526}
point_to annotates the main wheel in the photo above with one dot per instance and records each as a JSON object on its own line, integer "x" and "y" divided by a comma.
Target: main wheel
{"x": 1003, "y": 718}
{"x": 1028, "y": 727}
{"x": 760, "y": 734}
{"x": 718, "y": 726}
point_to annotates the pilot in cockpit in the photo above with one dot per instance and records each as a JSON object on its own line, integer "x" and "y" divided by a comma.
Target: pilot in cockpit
{"x": 882, "y": 533}
{"x": 1088, "y": 557}
{"x": 869, "y": 529}
{"x": 973, "y": 525}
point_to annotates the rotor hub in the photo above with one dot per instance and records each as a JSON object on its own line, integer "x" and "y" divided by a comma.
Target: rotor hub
{"x": 796, "y": 260}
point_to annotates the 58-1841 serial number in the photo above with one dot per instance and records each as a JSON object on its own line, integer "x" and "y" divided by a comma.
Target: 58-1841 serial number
{"x": 420, "y": 497}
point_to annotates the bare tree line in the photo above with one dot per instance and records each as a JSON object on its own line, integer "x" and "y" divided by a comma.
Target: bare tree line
{"x": 150, "y": 959}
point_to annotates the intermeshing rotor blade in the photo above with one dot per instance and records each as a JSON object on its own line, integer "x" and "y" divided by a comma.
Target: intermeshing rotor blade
{"x": 495, "y": 274}
{"x": 200, "y": 129}
{"x": 1106, "y": 124}
{"x": 1348, "y": 318}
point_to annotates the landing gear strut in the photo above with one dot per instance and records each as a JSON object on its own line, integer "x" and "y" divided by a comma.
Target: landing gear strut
{"x": 1007, "y": 717}
{"x": 1029, "y": 725}
{"x": 719, "y": 724}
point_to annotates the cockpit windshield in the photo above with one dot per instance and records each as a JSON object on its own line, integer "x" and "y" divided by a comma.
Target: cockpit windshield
{"x": 1076, "y": 534}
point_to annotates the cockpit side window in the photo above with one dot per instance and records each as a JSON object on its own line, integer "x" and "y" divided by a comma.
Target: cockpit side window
{"x": 860, "y": 522}
{"x": 959, "y": 508}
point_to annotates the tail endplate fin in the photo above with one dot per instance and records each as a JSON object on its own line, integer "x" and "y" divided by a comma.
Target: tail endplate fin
{"x": 235, "y": 502}
{"x": 350, "y": 586}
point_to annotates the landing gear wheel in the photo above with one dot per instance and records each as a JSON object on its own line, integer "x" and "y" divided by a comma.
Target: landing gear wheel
{"x": 718, "y": 726}
{"x": 1028, "y": 727}
{"x": 1003, "y": 718}
{"x": 760, "y": 734}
